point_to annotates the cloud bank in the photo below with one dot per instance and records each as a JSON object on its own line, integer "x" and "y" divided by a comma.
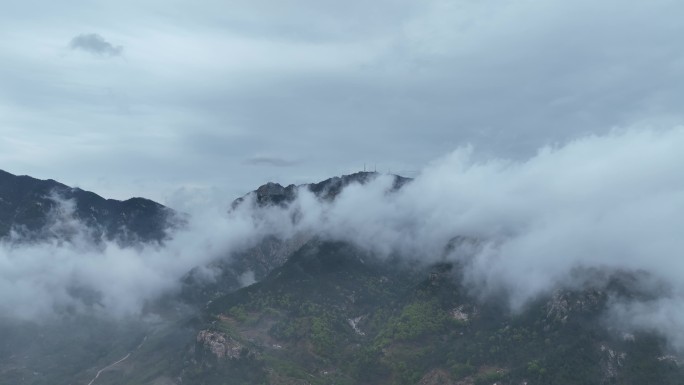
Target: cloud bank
{"x": 73, "y": 274}
{"x": 611, "y": 203}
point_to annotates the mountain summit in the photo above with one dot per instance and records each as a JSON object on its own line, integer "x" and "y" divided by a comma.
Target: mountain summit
{"x": 275, "y": 194}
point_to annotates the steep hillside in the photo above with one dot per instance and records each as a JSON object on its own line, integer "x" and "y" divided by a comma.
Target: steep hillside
{"x": 334, "y": 315}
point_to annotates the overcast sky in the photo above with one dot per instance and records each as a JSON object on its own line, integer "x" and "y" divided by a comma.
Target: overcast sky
{"x": 132, "y": 98}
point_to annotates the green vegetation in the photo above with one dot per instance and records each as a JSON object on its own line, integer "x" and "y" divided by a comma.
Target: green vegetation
{"x": 416, "y": 319}
{"x": 412, "y": 324}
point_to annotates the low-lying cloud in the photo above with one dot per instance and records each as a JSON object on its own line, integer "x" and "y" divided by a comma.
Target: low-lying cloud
{"x": 73, "y": 273}
{"x": 610, "y": 203}
{"x": 599, "y": 203}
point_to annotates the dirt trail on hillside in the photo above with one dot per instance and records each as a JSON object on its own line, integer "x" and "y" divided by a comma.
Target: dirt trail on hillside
{"x": 117, "y": 362}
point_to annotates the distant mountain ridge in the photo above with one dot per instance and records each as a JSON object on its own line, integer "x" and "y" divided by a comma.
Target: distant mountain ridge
{"x": 26, "y": 206}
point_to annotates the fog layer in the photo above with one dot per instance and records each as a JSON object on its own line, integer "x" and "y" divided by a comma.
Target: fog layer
{"x": 613, "y": 202}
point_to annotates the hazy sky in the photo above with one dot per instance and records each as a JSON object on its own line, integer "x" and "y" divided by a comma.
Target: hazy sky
{"x": 142, "y": 98}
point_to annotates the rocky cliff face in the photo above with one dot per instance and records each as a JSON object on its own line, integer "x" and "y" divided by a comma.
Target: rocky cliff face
{"x": 219, "y": 344}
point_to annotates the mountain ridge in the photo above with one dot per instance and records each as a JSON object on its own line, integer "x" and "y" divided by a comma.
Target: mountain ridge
{"x": 321, "y": 311}
{"x": 328, "y": 189}
{"x": 26, "y": 204}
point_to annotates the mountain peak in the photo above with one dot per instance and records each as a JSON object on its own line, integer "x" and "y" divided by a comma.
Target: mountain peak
{"x": 273, "y": 193}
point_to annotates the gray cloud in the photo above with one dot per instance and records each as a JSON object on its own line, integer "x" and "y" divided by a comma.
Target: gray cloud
{"x": 95, "y": 44}
{"x": 270, "y": 161}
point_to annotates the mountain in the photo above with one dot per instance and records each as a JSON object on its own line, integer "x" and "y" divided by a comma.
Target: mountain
{"x": 275, "y": 194}
{"x": 28, "y": 207}
{"x": 272, "y": 252}
{"x": 334, "y": 314}
{"x": 321, "y": 311}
